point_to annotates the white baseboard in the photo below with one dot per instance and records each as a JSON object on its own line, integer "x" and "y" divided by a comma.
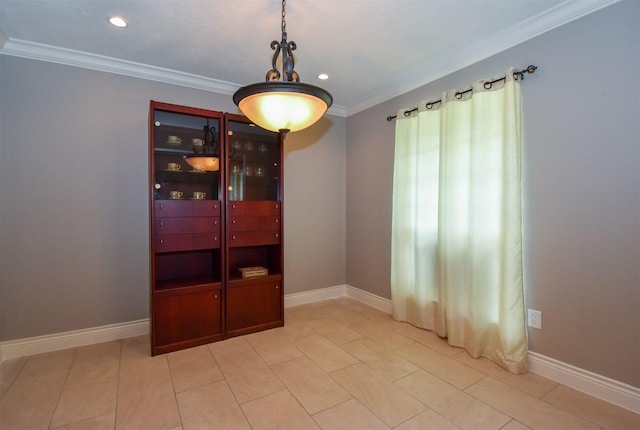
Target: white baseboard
{"x": 306, "y": 297}
{"x": 615, "y": 392}
{"x": 369, "y": 299}
{"x": 610, "y": 390}
{"x": 72, "y": 339}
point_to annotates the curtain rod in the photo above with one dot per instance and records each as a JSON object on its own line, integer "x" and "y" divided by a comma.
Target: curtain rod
{"x": 517, "y": 75}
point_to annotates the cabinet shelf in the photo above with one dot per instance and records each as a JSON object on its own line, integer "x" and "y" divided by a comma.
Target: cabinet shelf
{"x": 237, "y": 279}
{"x": 188, "y": 283}
{"x": 170, "y": 149}
{"x": 189, "y": 176}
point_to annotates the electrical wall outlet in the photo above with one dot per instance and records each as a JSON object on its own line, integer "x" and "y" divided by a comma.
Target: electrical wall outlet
{"x": 534, "y": 319}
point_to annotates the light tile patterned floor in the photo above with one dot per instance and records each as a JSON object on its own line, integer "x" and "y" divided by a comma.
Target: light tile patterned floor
{"x": 336, "y": 364}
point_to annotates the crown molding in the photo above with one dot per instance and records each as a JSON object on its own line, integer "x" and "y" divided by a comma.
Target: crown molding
{"x": 557, "y": 16}
{"x": 562, "y": 14}
{"x": 86, "y": 60}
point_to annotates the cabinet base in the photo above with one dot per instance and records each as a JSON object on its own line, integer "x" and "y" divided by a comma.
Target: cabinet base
{"x": 184, "y": 345}
{"x": 254, "y": 329}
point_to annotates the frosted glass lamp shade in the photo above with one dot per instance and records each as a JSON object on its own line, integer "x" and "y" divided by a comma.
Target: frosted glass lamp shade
{"x": 283, "y": 106}
{"x": 203, "y": 162}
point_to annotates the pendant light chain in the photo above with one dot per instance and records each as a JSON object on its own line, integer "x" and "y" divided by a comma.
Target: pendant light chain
{"x": 284, "y": 24}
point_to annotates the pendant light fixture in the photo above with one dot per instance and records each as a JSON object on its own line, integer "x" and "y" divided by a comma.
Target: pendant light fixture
{"x": 282, "y": 103}
{"x": 205, "y": 157}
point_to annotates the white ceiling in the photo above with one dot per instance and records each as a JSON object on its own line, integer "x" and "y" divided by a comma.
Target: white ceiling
{"x": 372, "y": 49}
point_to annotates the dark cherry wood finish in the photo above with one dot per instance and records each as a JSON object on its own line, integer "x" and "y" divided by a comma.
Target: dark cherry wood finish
{"x": 254, "y": 228}
{"x": 187, "y": 259}
{"x": 254, "y": 305}
{"x": 198, "y": 294}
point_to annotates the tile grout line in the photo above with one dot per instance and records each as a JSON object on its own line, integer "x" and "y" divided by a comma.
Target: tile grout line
{"x": 66, "y": 381}
{"x": 459, "y": 358}
{"x": 13, "y": 380}
{"x": 173, "y": 388}
{"x": 115, "y": 418}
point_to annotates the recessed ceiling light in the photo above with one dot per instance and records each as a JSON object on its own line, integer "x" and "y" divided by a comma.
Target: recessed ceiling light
{"x": 118, "y": 21}
{"x": 323, "y": 76}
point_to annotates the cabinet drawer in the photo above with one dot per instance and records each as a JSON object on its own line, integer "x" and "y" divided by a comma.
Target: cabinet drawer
{"x": 254, "y": 238}
{"x": 255, "y": 208}
{"x": 186, "y": 242}
{"x": 172, "y": 208}
{"x": 187, "y": 225}
{"x": 186, "y": 208}
{"x": 254, "y": 223}
{"x": 205, "y": 208}
{"x": 271, "y": 222}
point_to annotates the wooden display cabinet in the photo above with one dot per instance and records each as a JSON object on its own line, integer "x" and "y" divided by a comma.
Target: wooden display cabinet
{"x": 253, "y": 228}
{"x": 216, "y": 257}
{"x": 187, "y": 255}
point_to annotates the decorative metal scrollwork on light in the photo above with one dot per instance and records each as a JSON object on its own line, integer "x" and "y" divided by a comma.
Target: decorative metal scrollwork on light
{"x": 282, "y": 103}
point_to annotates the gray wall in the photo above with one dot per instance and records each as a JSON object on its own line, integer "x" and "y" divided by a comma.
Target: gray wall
{"x": 74, "y": 198}
{"x": 581, "y": 164}
{"x": 315, "y": 206}
{"x": 74, "y": 227}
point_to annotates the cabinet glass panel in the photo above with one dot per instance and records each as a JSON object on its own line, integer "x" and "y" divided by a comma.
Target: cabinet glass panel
{"x": 254, "y": 163}
{"x": 177, "y": 135}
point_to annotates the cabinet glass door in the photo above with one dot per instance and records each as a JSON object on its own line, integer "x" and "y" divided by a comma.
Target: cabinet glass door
{"x": 254, "y": 163}
{"x": 177, "y": 136}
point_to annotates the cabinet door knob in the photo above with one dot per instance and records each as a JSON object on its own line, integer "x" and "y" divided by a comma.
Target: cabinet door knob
{"x": 161, "y": 206}
{"x": 161, "y": 223}
{"x": 277, "y": 220}
{"x": 215, "y": 296}
{"x": 215, "y": 222}
{"x": 215, "y": 238}
{"x": 233, "y": 237}
{"x": 161, "y": 241}
{"x": 276, "y": 235}
{"x": 233, "y": 222}
{"x": 277, "y": 286}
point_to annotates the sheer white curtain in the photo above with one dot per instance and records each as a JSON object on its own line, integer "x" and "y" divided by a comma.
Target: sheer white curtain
{"x": 456, "y": 259}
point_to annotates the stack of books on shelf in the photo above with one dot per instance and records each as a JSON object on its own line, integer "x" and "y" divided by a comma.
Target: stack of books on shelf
{"x": 250, "y": 272}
